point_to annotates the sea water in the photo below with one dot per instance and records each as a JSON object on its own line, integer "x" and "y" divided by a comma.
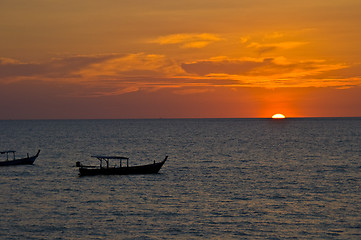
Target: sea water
{"x": 224, "y": 179}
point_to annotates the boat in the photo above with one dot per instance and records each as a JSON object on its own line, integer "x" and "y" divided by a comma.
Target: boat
{"x": 104, "y": 167}
{"x": 20, "y": 161}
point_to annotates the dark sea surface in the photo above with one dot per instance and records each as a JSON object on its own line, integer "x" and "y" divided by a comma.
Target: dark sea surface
{"x": 224, "y": 179}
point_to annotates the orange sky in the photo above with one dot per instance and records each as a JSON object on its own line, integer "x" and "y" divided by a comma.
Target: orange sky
{"x": 179, "y": 59}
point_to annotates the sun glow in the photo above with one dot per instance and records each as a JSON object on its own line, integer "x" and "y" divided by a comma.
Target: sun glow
{"x": 278, "y": 116}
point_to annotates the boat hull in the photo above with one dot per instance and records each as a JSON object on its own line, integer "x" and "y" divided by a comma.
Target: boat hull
{"x": 144, "y": 169}
{"x": 22, "y": 161}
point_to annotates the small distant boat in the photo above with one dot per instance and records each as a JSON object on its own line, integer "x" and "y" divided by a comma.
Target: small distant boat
{"x": 105, "y": 169}
{"x": 20, "y": 161}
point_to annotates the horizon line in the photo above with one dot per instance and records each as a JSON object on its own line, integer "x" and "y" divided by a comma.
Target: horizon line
{"x": 168, "y": 118}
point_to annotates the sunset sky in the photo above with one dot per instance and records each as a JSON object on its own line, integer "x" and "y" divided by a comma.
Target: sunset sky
{"x": 75, "y": 59}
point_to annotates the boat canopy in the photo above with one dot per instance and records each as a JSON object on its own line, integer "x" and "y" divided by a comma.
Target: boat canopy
{"x": 7, "y": 154}
{"x": 109, "y": 157}
{"x": 10, "y": 151}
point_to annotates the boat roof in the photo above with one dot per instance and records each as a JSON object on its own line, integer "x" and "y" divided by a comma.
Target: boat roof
{"x": 109, "y": 157}
{"x": 9, "y": 151}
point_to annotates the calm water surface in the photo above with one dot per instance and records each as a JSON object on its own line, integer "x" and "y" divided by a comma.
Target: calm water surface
{"x": 225, "y": 179}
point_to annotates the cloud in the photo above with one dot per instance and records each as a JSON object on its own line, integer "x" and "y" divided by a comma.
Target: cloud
{"x": 188, "y": 91}
{"x": 274, "y": 41}
{"x": 275, "y": 72}
{"x": 132, "y": 65}
{"x": 116, "y": 74}
{"x": 89, "y": 67}
{"x": 188, "y": 40}
{"x": 268, "y": 47}
{"x": 259, "y": 67}
{"x": 4, "y": 61}
{"x": 231, "y": 67}
{"x": 108, "y": 74}
{"x": 57, "y": 67}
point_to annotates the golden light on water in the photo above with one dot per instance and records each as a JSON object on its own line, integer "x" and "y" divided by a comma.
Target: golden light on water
{"x": 278, "y": 116}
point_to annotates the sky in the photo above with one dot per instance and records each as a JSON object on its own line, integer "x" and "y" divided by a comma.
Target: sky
{"x": 77, "y": 59}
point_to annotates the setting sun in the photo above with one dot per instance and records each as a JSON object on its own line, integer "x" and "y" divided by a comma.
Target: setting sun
{"x": 278, "y": 116}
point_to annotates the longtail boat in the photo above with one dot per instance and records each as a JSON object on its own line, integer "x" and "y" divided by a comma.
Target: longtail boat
{"x": 20, "y": 161}
{"x": 104, "y": 167}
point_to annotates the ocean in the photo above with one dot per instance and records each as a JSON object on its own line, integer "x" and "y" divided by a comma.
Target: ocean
{"x": 224, "y": 179}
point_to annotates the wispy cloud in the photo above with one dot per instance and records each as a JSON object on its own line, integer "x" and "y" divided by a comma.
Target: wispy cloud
{"x": 188, "y": 40}
{"x": 108, "y": 74}
{"x": 259, "y": 67}
{"x": 131, "y": 65}
{"x": 116, "y": 74}
{"x": 58, "y": 67}
{"x": 274, "y": 41}
{"x": 274, "y": 72}
{"x": 268, "y": 47}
